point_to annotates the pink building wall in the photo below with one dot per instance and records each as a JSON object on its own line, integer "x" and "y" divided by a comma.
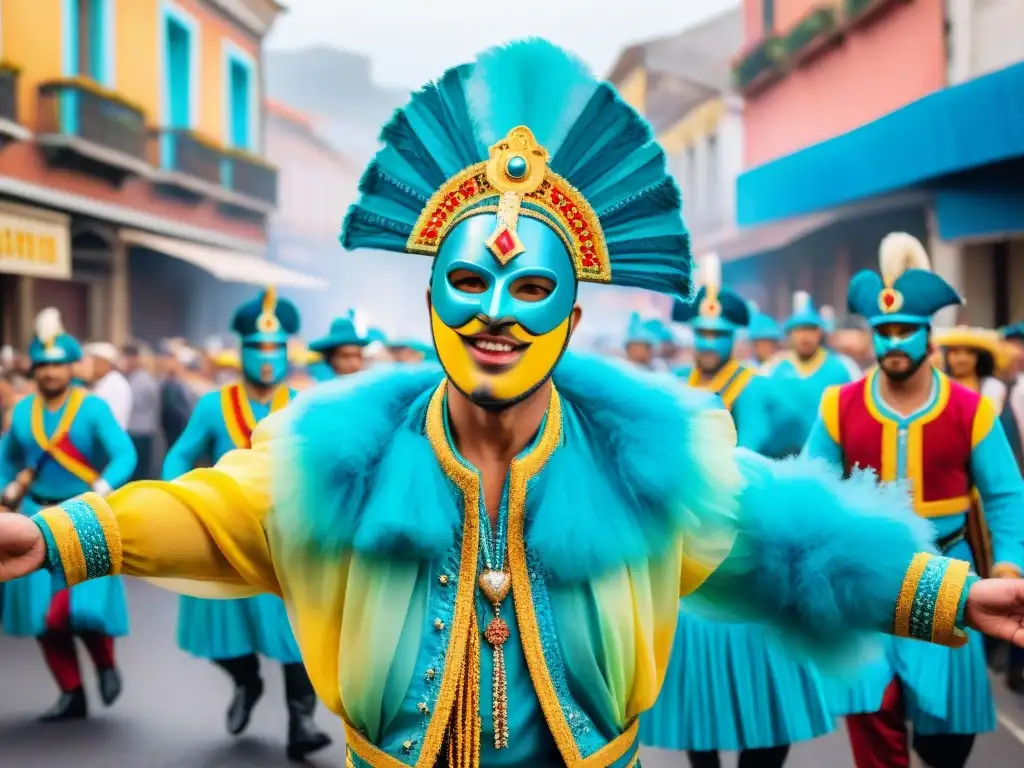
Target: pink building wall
{"x": 876, "y": 69}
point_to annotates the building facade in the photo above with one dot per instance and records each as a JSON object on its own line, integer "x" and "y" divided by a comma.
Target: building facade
{"x": 132, "y": 175}
{"x": 317, "y": 184}
{"x": 864, "y": 116}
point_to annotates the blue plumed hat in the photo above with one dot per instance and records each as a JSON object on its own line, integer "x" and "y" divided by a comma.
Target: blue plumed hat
{"x": 641, "y": 331}
{"x": 804, "y": 315}
{"x": 527, "y": 126}
{"x": 714, "y": 308}
{"x": 51, "y": 344}
{"x": 266, "y": 318}
{"x": 345, "y": 331}
{"x": 762, "y": 327}
{"x": 1013, "y": 331}
{"x": 905, "y": 291}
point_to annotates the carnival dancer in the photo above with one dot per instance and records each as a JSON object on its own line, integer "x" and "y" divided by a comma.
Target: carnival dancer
{"x": 909, "y": 422}
{"x": 63, "y": 442}
{"x": 764, "y": 335}
{"x": 808, "y": 367}
{"x": 729, "y": 687}
{"x": 343, "y": 346}
{"x": 641, "y": 343}
{"x": 233, "y": 634}
{"x": 969, "y": 356}
{"x": 483, "y": 559}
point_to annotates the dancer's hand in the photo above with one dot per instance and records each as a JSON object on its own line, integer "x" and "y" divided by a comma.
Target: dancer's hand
{"x": 995, "y": 607}
{"x": 22, "y": 548}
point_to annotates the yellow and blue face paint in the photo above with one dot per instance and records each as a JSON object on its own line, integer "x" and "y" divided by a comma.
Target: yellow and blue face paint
{"x": 497, "y": 346}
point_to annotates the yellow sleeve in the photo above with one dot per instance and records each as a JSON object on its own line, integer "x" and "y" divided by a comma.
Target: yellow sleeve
{"x": 828, "y": 411}
{"x": 201, "y": 534}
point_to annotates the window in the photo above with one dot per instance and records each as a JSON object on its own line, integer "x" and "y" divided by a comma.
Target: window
{"x": 87, "y": 60}
{"x": 178, "y": 68}
{"x": 712, "y": 181}
{"x": 690, "y": 177}
{"x": 768, "y": 16}
{"x": 240, "y": 103}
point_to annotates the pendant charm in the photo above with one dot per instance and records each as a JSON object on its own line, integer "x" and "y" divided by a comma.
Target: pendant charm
{"x": 494, "y": 585}
{"x": 497, "y": 632}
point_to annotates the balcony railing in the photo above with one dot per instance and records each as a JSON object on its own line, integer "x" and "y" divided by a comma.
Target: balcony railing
{"x": 8, "y": 93}
{"x": 181, "y": 151}
{"x": 760, "y": 65}
{"x": 247, "y": 175}
{"x": 80, "y": 109}
{"x": 814, "y": 32}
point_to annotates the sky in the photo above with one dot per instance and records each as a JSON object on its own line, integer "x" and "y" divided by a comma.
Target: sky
{"x": 411, "y": 41}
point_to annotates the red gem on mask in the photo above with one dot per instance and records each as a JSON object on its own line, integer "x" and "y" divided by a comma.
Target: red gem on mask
{"x": 888, "y": 299}
{"x": 505, "y": 243}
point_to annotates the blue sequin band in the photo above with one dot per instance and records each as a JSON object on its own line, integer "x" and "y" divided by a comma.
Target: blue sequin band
{"x": 90, "y": 537}
{"x": 922, "y": 613}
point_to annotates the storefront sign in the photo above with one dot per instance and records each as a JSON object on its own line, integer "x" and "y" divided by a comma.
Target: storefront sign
{"x": 34, "y": 243}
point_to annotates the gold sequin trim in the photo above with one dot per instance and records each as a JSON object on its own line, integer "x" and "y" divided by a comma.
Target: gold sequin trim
{"x": 615, "y": 749}
{"x": 69, "y": 547}
{"x": 905, "y": 602}
{"x": 521, "y": 472}
{"x": 944, "y": 630}
{"x": 370, "y": 754}
{"x": 111, "y": 531}
{"x": 462, "y": 622}
{"x": 464, "y": 729}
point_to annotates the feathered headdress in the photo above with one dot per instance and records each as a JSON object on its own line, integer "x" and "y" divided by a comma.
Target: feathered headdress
{"x": 51, "y": 342}
{"x": 905, "y": 290}
{"x": 714, "y": 308}
{"x": 526, "y": 130}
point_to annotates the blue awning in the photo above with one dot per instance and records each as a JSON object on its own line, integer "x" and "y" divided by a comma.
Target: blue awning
{"x": 977, "y": 123}
{"x": 987, "y": 203}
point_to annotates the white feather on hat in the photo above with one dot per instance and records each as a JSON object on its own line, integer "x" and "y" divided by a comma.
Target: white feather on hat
{"x": 899, "y": 252}
{"x": 801, "y": 302}
{"x": 827, "y": 312}
{"x": 49, "y": 325}
{"x": 711, "y": 271}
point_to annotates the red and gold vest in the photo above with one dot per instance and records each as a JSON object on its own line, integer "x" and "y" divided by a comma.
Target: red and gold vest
{"x": 939, "y": 442}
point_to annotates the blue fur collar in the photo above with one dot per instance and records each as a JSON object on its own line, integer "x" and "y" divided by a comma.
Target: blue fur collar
{"x": 358, "y": 471}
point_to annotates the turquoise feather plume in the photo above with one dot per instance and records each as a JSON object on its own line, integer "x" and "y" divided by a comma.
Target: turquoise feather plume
{"x": 596, "y": 141}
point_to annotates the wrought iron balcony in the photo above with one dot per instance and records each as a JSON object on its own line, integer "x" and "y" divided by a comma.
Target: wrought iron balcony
{"x": 249, "y": 176}
{"x": 91, "y": 129}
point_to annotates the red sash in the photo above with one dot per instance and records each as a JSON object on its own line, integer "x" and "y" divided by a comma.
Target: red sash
{"x": 58, "y": 445}
{"x": 238, "y": 416}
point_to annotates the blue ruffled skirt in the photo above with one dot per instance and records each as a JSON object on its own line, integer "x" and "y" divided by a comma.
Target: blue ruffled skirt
{"x": 945, "y": 690}
{"x": 96, "y": 606}
{"x": 225, "y": 629}
{"x": 730, "y": 687}
{"x": 100, "y": 605}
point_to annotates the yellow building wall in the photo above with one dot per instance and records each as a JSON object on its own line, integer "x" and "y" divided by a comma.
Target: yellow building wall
{"x": 137, "y": 66}
{"x": 211, "y": 97}
{"x": 29, "y": 42}
{"x": 698, "y": 123}
{"x": 32, "y": 41}
{"x": 633, "y": 90}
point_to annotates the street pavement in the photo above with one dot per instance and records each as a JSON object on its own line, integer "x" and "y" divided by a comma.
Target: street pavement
{"x": 172, "y": 713}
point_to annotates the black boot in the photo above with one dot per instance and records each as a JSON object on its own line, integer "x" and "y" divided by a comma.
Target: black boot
{"x": 304, "y": 738}
{"x": 110, "y": 685}
{"x": 245, "y": 674}
{"x": 70, "y": 706}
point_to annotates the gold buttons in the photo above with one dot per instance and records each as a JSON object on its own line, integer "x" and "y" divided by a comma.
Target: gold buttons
{"x": 431, "y": 673}
{"x": 422, "y": 707}
{"x": 407, "y": 745}
{"x": 438, "y": 624}
{"x": 443, "y": 578}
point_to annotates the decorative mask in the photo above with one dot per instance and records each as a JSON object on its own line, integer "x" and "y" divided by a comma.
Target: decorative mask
{"x": 495, "y": 347}
{"x": 914, "y": 345}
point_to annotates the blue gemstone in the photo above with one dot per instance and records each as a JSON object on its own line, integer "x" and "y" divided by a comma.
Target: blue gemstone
{"x": 516, "y": 167}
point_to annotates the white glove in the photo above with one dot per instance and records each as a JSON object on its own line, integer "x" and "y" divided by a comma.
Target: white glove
{"x": 102, "y": 487}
